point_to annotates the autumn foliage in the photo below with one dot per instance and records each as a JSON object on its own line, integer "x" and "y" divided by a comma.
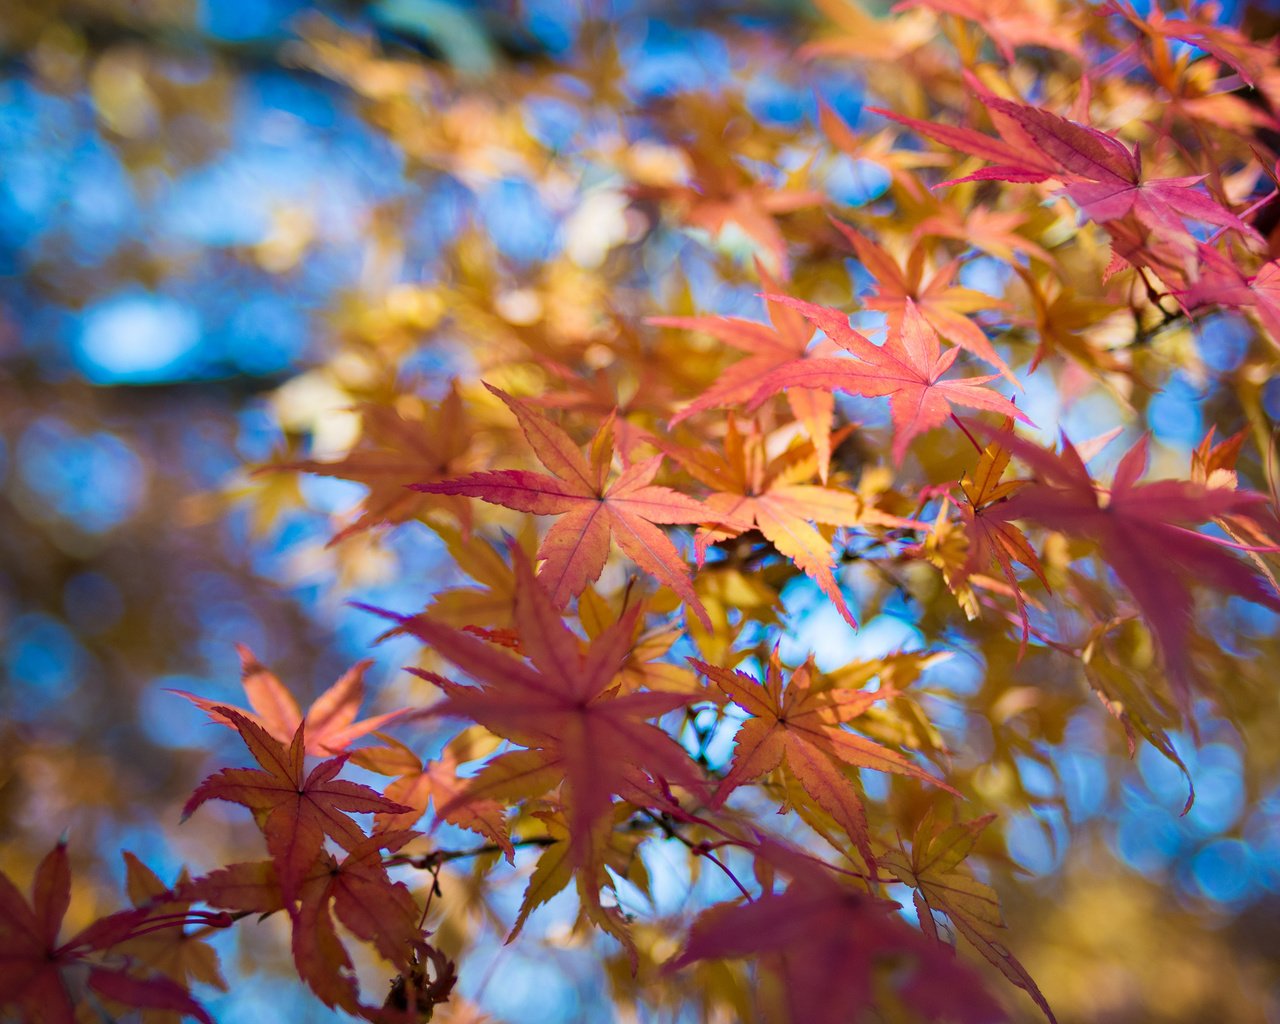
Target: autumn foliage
{"x": 637, "y": 486}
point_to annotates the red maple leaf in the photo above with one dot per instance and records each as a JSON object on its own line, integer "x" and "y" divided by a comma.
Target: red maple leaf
{"x": 355, "y": 890}
{"x": 562, "y": 704}
{"x": 1144, "y": 532}
{"x": 1221, "y": 282}
{"x": 1098, "y": 171}
{"x": 32, "y": 960}
{"x": 827, "y": 940}
{"x": 295, "y": 811}
{"x": 907, "y": 368}
{"x": 360, "y": 893}
{"x": 252, "y": 887}
{"x": 576, "y": 547}
{"x": 331, "y": 719}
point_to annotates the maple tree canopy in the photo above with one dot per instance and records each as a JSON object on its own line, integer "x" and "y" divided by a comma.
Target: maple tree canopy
{"x": 803, "y": 480}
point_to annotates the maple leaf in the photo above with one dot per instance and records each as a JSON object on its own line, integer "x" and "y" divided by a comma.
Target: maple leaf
{"x": 768, "y": 346}
{"x": 32, "y": 960}
{"x": 1144, "y": 532}
{"x": 1065, "y": 319}
{"x": 576, "y": 547}
{"x": 330, "y": 721}
{"x": 556, "y": 869}
{"x": 419, "y": 784}
{"x": 492, "y": 603}
{"x": 360, "y": 893}
{"x": 1099, "y": 172}
{"x": 992, "y": 231}
{"x": 932, "y": 869}
{"x": 898, "y": 163}
{"x": 1121, "y": 687}
{"x": 562, "y": 705}
{"x": 645, "y": 667}
{"x": 907, "y": 368}
{"x": 637, "y": 384}
{"x": 1214, "y": 465}
{"x": 721, "y": 193}
{"x": 357, "y": 890}
{"x": 295, "y": 811}
{"x": 992, "y": 537}
{"x": 1013, "y": 23}
{"x": 828, "y": 942}
{"x": 164, "y": 944}
{"x": 429, "y": 443}
{"x": 1221, "y": 282}
{"x": 1200, "y": 27}
{"x": 801, "y": 725}
{"x": 867, "y": 37}
{"x": 252, "y": 887}
{"x": 940, "y": 303}
{"x": 770, "y": 496}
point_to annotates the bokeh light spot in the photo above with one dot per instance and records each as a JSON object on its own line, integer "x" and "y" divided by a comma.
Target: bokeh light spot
{"x": 136, "y": 337}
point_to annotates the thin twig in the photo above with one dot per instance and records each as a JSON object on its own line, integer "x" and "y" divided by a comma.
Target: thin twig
{"x": 699, "y": 849}
{"x": 436, "y": 859}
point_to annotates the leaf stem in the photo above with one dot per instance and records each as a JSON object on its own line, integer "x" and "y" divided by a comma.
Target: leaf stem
{"x": 977, "y": 447}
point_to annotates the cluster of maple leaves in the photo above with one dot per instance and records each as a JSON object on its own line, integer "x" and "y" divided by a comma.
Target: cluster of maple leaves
{"x": 575, "y": 709}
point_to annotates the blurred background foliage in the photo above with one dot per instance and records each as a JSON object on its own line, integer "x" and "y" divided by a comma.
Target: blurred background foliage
{"x": 225, "y": 224}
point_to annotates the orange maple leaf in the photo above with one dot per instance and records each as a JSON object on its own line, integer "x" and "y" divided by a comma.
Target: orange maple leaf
{"x": 646, "y": 665}
{"x": 419, "y": 784}
{"x": 722, "y": 192}
{"x": 932, "y": 869}
{"x": 331, "y": 719}
{"x": 899, "y": 163}
{"x": 556, "y": 869}
{"x": 992, "y": 231}
{"x": 1013, "y": 23}
{"x": 941, "y": 303}
{"x": 802, "y": 725}
{"x": 164, "y": 944}
{"x": 768, "y": 346}
{"x": 774, "y": 497}
{"x": 394, "y": 449}
{"x": 991, "y": 536}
